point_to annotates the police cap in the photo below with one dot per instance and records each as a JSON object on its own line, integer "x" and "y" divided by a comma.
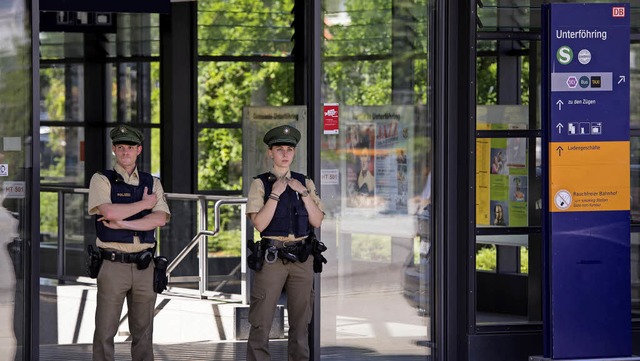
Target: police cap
{"x": 282, "y": 135}
{"x": 126, "y": 134}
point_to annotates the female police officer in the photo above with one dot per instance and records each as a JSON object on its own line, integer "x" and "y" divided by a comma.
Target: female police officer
{"x": 284, "y": 207}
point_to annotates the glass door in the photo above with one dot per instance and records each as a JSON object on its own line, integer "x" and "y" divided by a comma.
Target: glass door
{"x": 16, "y": 174}
{"x": 377, "y": 287}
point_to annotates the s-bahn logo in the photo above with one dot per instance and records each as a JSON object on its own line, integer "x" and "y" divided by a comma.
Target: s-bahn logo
{"x": 564, "y": 55}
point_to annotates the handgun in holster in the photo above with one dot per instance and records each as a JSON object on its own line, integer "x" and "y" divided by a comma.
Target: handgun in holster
{"x": 256, "y": 259}
{"x": 94, "y": 261}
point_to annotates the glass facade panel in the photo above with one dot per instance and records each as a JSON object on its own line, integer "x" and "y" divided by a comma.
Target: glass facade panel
{"x": 220, "y": 159}
{"x": 222, "y": 96}
{"x": 258, "y": 28}
{"x": 136, "y": 35}
{"x": 224, "y": 249}
{"x": 508, "y": 279}
{"x": 58, "y": 45}
{"x": 376, "y": 181}
{"x": 133, "y": 87}
{"x": 506, "y": 188}
{"x": 17, "y": 194}
{"x": 62, "y": 155}
{"x": 62, "y": 92}
{"x": 508, "y": 249}
{"x": 77, "y": 229}
{"x": 225, "y": 88}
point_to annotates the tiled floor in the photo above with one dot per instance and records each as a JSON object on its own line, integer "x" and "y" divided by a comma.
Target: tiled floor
{"x": 218, "y": 351}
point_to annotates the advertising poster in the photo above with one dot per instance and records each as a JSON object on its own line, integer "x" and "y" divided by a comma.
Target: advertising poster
{"x": 331, "y": 118}
{"x": 376, "y": 143}
{"x": 483, "y": 162}
{"x": 501, "y": 168}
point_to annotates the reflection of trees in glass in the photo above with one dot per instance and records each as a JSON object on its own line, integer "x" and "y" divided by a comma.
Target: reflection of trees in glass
{"x": 486, "y": 258}
{"x": 52, "y": 91}
{"x": 52, "y": 154}
{"x": 487, "y": 75}
{"x": 224, "y": 90}
{"x": 357, "y": 28}
{"x": 238, "y": 27}
{"x": 242, "y": 27}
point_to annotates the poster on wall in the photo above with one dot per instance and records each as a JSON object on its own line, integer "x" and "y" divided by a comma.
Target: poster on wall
{"x": 256, "y": 121}
{"x": 501, "y": 168}
{"x": 376, "y": 143}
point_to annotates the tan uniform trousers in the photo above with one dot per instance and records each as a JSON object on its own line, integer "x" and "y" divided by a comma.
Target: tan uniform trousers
{"x": 297, "y": 279}
{"x": 117, "y": 281}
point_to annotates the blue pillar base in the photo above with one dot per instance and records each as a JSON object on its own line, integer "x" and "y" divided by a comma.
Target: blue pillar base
{"x": 540, "y": 358}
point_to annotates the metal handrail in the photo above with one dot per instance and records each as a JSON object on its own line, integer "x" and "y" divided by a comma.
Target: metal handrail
{"x": 187, "y": 249}
{"x": 199, "y": 239}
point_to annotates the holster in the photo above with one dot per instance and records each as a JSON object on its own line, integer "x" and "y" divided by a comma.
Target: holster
{"x": 255, "y": 260}
{"x": 160, "y": 279}
{"x": 94, "y": 261}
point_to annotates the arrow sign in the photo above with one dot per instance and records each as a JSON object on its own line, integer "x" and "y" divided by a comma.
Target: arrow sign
{"x": 559, "y": 149}
{"x": 623, "y": 79}
{"x": 559, "y": 104}
{"x": 559, "y": 126}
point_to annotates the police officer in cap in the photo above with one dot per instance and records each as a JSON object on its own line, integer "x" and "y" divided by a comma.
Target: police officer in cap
{"x": 284, "y": 207}
{"x": 128, "y": 205}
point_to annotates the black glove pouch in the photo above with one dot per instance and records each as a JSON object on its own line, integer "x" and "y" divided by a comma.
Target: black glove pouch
{"x": 94, "y": 261}
{"x": 160, "y": 279}
{"x": 318, "y": 249}
{"x": 318, "y": 260}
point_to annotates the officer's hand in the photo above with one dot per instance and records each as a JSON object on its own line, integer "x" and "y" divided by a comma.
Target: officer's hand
{"x": 149, "y": 200}
{"x": 279, "y": 186}
{"x": 296, "y": 186}
{"x": 110, "y": 224}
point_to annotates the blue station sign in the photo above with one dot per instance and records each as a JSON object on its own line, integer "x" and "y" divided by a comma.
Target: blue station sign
{"x": 587, "y": 306}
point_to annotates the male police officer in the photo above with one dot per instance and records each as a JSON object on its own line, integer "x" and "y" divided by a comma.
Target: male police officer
{"x": 128, "y": 206}
{"x": 284, "y": 207}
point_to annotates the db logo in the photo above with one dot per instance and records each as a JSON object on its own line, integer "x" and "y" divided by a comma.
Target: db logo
{"x": 618, "y": 11}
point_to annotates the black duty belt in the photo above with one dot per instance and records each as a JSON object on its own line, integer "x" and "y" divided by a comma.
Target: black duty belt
{"x": 280, "y": 244}
{"x": 119, "y": 257}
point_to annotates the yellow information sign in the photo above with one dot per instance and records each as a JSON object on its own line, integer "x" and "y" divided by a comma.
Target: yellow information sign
{"x": 589, "y": 176}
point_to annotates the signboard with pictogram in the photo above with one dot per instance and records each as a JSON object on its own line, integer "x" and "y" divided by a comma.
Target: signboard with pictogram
{"x": 586, "y": 187}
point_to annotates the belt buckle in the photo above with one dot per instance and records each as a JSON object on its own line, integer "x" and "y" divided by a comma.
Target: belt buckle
{"x": 113, "y": 256}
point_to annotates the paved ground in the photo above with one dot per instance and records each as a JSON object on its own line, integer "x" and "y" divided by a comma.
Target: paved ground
{"x": 216, "y": 351}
